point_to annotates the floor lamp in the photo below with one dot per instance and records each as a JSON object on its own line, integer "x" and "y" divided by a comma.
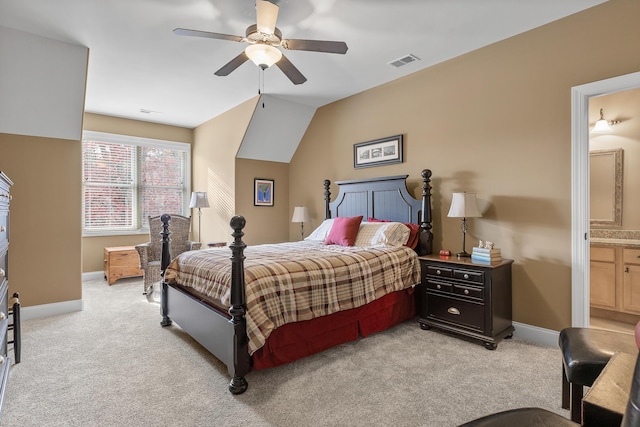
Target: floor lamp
{"x": 199, "y": 199}
{"x": 301, "y": 215}
{"x": 463, "y": 205}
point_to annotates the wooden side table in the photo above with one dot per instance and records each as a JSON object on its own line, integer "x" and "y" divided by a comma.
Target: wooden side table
{"x": 467, "y": 298}
{"x": 216, "y": 244}
{"x": 121, "y": 261}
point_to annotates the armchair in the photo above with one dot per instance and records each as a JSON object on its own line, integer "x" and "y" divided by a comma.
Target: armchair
{"x": 151, "y": 252}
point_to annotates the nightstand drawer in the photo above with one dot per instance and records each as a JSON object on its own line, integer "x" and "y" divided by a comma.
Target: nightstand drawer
{"x": 469, "y": 276}
{"x": 439, "y": 286}
{"x": 439, "y": 271}
{"x": 469, "y": 291}
{"x": 463, "y": 313}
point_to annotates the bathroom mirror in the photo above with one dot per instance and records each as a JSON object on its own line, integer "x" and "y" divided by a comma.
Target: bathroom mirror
{"x": 605, "y": 170}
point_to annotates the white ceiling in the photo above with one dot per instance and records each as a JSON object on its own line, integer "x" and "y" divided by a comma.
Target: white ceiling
{"x": 136, "y": 62}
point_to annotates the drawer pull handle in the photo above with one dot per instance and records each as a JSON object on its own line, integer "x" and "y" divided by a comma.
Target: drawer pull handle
{"x": 466, "y": 291}
{"x": 438, "y": 286}
{"x": 438, "y": 272}
{"x": 2, "y": 273}
{"x": 2, "y": 315}
{"x": 453, "y": 310}
{"x": 2, "y": 229}
{"x": 466, "y": 276}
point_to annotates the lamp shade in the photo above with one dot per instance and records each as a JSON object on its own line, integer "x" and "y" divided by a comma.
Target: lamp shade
{"x": 463, "y": 205}
{"x": 263, "y": 54}
{"x": 300, "y": 214}
{"x": 199, "y": 199}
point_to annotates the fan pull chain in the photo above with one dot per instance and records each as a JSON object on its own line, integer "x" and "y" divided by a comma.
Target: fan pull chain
{"x": 261, "y": 82}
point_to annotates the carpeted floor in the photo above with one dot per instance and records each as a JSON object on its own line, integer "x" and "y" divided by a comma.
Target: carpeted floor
{"x": 114, "y": 365}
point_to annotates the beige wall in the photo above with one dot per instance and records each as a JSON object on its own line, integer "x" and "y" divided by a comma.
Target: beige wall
{"x": 44, "y": 255}
{"x": 265, "y": 224}
{"x": 496, "y": 121}
{"x": 623, "y": 106}
{"x": 93, "y": 247}
{"x": 216, "y": 143}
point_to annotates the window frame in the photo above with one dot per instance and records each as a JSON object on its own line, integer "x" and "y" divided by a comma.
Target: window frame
{"x": 136, "y": 141}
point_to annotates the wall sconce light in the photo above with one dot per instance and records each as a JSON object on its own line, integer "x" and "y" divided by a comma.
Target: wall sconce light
{"x": 602, "y": 125}
{"x": 464, "y": 205}
{"x": 301, "y": 215}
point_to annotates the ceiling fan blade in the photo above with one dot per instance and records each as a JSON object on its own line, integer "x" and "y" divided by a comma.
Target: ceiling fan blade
{"x": 266, "y": 16}
{"x": 232, "y": 65}
{"x": 291, "y": 71}
{"x": 207, "y": 34}
{"x": 315, "y": 45}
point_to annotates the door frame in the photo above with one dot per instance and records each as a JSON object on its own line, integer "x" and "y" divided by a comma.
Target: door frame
{"x": 580, "y": 227}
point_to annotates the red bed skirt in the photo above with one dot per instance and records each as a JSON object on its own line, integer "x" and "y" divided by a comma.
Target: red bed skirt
{"x": 294, "y": 341}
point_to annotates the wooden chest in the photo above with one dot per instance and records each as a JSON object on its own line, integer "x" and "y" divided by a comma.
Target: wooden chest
{"x": 121, "y": 261}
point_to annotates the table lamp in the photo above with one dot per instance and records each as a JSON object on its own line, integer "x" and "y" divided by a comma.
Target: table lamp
{"x": 463, "y": 205}
{"x": 301, "y": 215}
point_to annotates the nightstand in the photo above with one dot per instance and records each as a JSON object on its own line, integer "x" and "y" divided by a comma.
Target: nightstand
{"x": 467, "y": 298}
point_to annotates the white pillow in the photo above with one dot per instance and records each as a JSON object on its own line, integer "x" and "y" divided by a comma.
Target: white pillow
{"x": 382, "y": 234}
{"x": 321, "y": 233}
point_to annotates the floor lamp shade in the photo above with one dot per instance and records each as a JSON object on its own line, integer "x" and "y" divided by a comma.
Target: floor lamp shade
{"x": 464, "y": 205}
{"x": 301, "y": 215}
{"x": 199, "y": 199}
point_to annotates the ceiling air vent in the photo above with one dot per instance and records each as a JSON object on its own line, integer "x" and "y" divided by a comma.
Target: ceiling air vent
{"x": 408, "y": 59}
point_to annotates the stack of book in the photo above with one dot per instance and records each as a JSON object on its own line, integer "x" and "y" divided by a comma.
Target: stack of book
{"x": 486, "y": 255}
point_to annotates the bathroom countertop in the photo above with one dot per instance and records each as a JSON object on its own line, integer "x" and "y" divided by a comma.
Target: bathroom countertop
{"x": 615, "y": 242}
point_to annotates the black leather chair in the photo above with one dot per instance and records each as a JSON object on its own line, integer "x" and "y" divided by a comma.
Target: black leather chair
{"x": 538, "y": 417}
{"x": 585, "y": 353}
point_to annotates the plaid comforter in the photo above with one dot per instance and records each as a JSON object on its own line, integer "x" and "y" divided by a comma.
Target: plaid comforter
{"x": 291, "y": 282}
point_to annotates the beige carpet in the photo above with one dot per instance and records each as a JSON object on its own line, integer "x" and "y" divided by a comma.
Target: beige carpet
{"x": 114, "y": 365}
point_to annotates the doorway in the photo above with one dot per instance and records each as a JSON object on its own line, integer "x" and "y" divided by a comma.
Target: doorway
{"x": 580, "y": 223}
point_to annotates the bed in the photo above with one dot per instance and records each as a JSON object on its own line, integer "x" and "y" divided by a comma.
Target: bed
{"x": 231, "y": 327}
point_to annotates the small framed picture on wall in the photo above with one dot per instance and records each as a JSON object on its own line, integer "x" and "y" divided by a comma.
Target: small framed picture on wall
{"x": 262, "y": 192}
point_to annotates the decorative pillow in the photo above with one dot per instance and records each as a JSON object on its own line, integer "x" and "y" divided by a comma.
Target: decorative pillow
{"x": 382, "y": 234}
{"x": 321, "y": 233}
{"x": 344, "y": 231}
{"x": 414, "y": 232}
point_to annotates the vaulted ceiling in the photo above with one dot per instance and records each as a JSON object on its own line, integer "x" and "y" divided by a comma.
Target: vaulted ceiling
{"x": 139, "y": 69}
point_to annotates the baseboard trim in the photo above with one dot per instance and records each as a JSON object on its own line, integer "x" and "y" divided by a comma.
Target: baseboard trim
{"x": 53, "y": 309}
{"x": 92, "y": 275}
{"x": 536, "y": 334}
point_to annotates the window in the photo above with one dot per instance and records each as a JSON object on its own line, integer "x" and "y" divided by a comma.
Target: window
{"x": 126, "y": 179}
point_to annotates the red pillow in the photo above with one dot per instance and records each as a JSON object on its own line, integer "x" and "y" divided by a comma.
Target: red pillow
{"x": 344, "y": 231}
{"x": 377, "y": 220}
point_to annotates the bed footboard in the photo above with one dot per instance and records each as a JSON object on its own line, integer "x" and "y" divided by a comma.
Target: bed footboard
{"x": 225, "y": 338}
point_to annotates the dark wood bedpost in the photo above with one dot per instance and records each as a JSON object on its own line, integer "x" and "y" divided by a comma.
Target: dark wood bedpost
{"x": 241, "y": 359}
{"x": 164, "y": 263}
{"x": 327, "y": 199}
{"x": 426, "y": 240}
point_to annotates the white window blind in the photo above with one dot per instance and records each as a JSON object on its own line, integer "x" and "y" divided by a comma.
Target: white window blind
{"x": 126, "y": 179}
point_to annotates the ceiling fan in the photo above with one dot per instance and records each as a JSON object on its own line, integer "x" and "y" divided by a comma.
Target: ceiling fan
{"x": 263, "y": 37}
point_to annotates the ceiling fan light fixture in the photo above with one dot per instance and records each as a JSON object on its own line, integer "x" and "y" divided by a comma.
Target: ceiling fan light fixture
{"x": 263, "y": 55}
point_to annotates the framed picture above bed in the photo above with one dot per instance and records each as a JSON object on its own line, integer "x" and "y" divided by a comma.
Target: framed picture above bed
{"x": 262, "y": 192}
{"x": 378, "y": 152}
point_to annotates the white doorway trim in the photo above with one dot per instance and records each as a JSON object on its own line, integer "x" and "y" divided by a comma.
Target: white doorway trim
{"x": 580, "y": 187}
